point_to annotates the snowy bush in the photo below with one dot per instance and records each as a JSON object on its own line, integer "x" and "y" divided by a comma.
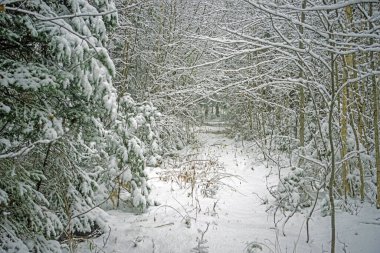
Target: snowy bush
{"x": 294, "y": 190}
{"x": 132, "y": 142}
{"x": 200, "y": 176}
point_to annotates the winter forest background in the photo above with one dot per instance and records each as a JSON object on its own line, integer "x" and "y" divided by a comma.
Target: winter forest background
{"x": 97, "y": 94}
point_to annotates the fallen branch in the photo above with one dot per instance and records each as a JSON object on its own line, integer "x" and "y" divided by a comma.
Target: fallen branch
{"x": 164, "y": 225}
{"x": 370, "y": 223}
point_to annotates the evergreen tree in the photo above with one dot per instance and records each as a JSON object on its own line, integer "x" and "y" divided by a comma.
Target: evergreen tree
{"x": 66, "y": 137}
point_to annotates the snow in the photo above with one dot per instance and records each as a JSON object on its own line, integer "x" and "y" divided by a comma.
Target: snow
{"x": 127, "y": 175}
{"x": 3, "y": 197}
{"x": 4, "y": 108}
{"x": 236, "y": 218}
{"x": 51, "y": 134}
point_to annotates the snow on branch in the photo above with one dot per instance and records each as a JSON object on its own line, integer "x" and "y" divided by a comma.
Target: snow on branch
{"x": 281, "y": 45}
{"x": 330, "y": 7}
{"x": 25, "y": 150}
{"x": 42, "y": 18}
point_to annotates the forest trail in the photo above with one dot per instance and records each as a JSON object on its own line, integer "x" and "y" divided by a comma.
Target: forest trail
{"x": 242, "y": 217}
{"x": 236, "y": 216}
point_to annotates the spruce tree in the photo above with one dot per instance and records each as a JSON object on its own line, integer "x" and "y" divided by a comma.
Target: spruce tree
{"x": 66, "y": 136}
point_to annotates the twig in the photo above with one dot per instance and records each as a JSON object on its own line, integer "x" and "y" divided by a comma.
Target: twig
{"x": 108, "y": 237}
{"x": 370, "y": 223}
{"x": 298, "y": 238}
{"x": 153, "y": 246}
{"x": 288, "y": 218}
{"x": 201, "y": 248}
{"x": 164, "y": 225}
{"x": 183, "y": 217}
{"x": 264, "y": 201}
{"x": 311, "y": 213}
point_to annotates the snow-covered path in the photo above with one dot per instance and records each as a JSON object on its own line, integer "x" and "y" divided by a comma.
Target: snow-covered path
{"x": 236, "y": 216}
{"x": 242, "y": 217}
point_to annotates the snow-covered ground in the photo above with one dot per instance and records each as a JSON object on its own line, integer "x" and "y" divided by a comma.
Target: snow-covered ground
{"x": 235, "y": 219}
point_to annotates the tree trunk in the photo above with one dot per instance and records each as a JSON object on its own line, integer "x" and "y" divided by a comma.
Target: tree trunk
{"x": 331, "y": 140}
{"x": 301, "y": 90}
{"x": 332, "y": 173}
{"x": 343, "y": 133}
{"x": 375, "y": 118}
{"x": 359, "y": 131}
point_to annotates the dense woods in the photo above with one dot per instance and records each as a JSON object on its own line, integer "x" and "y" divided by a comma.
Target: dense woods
{"x": 92, "y": 92}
